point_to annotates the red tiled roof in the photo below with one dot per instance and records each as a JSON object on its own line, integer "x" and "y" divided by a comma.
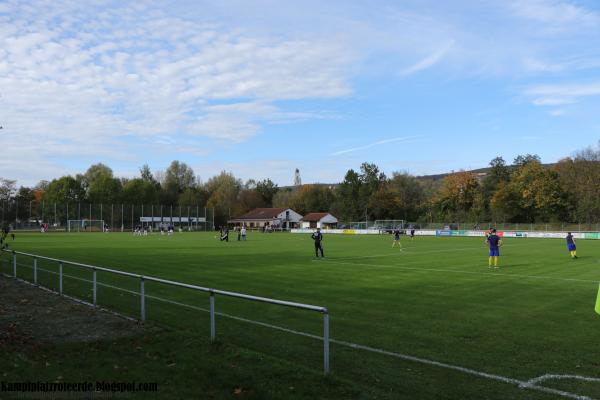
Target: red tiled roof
{"x": 262, "y": 213}
{"x": 314, "y": 217}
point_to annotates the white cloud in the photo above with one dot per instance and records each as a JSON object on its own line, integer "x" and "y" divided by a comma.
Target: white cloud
{"x": 429, "y": 60}
{"x": 88, "y": 81}
{"x": 556, "y": 12}
{"x": 377, "y": 143}
{"x": 560, "y": 94}
{"x": 557, "y": 112}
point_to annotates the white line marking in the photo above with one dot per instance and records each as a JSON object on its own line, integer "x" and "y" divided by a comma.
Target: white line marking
{"x": 546, "y": 377}
{"x": 531, "y": 384}
{"x": 455, "y": 271}
{"x": 422, "y": 251}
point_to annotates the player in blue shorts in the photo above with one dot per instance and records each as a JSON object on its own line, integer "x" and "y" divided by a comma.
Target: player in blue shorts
{"x": 494, "y": 242}
{"x": 397, "y": 239}
{"x": 571, "y": 245}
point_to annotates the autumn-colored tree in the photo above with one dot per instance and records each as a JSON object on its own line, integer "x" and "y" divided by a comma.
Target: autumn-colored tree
{"x": 249, "y": 199}
{"x": 267, "y": 189}
{"x": 349, "y": 204}
{"x": 139, "y": 191}
{"x": 223, "y": 191}
{"x": 539, "y": 195}
{"x": 504, "y": 203}
{"x": 400, "y": 197}
{"x": 282, "y": 199}
{"x": 311, "y": 198}
{"x": 193, "y": 197}
{"x": 580, "y": 179}
{"x": 174, "y": 181}
{"x": 459, "y": 197}
{"x": 65, "y": 189}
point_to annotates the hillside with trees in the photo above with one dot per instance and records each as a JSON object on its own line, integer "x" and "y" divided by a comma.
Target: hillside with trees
{"x": 524, "y": 191}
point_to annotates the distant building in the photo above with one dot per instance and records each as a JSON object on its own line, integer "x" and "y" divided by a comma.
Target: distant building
{"x": 319, "y": 220}
{"x": 297, "y": 179}
{"x": 284, "y": 218}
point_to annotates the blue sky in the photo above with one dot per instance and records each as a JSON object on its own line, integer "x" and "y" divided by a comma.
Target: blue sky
{"x": 260, "y": 88}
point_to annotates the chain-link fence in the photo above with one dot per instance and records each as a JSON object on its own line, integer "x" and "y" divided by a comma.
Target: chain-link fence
{"x": 124, "y": 217}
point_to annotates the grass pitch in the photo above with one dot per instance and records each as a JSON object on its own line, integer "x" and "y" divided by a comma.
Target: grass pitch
{"x": 436, "y": 300}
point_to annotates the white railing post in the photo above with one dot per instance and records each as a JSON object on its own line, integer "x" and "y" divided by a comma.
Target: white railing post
{"x": 326, "y": 342}
{"x": 94, "y": 287}
{"x": 212, "y": 317}
{"x": 142, "y": 300}
{"x": 60, "y": 278}
{"x": 14, "y": 264}
{"x": 35, "y": 271}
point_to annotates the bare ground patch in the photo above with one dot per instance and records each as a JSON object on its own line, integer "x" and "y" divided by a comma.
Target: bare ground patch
{"x": 31, "y": 316}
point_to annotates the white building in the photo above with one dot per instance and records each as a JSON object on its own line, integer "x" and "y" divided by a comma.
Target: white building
{"x": 284, "y": 218}
{"x": 319, "y": 220}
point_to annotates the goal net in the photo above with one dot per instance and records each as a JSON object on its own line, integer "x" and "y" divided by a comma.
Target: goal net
{"x": 85, "y": 225}
{"x": 388, "y": 224}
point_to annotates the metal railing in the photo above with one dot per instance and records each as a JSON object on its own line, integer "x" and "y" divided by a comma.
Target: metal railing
{"x": 142, "y": 293}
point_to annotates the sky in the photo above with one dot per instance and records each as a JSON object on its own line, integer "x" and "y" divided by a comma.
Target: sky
{"x": 259, "y": 88}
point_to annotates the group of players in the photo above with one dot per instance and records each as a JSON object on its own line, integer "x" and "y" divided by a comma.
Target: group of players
{"x": 140, "y": 230}
{"x": 494, "y": 243}
{"x": 224, "y": 233}
{"x": 492, "y": 239}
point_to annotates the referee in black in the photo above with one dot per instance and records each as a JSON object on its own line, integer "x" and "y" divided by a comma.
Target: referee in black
{"x": 318, "y": 238}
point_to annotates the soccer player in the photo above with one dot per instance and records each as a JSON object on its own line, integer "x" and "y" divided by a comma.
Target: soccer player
{"x": 318, "y": 238}
{"x": 571, "y": 245}
{"x": 225, "y": 234}
{"x": 243, "y": 232}
{"x": 412, "y": 233}
{"x": 396, "y": 238}
{"x": 494, "y": 242}
{"x": 3, "y": 238}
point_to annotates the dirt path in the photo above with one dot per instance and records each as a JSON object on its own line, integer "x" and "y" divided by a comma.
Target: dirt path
{"x": 29, "y": 315}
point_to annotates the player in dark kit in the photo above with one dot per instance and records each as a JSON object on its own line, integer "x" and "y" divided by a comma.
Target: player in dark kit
{"x": 571, "y": 245}
{"x": 494, "y": 242}
{"x": 396, "y": 241}
{"x": 318, "y": 238}
{"x": 3, "y": 238}
{"x": 225, "y": 234}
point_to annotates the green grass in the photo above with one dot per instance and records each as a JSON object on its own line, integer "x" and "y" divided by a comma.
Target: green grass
{"x": 436, "y": 300}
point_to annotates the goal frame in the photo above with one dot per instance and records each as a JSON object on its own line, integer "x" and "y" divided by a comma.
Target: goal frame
{"x": 91, "y": 224}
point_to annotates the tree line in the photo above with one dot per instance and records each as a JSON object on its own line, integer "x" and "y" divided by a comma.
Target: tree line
{"x": 524, "y": 191}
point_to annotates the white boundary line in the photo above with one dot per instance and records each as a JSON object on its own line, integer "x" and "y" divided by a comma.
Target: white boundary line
{"x": 546, "y": 377}
{"x": 408, "y": 250}
{"x": 530, "y": 384}
{"x": 456, "y": 271}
